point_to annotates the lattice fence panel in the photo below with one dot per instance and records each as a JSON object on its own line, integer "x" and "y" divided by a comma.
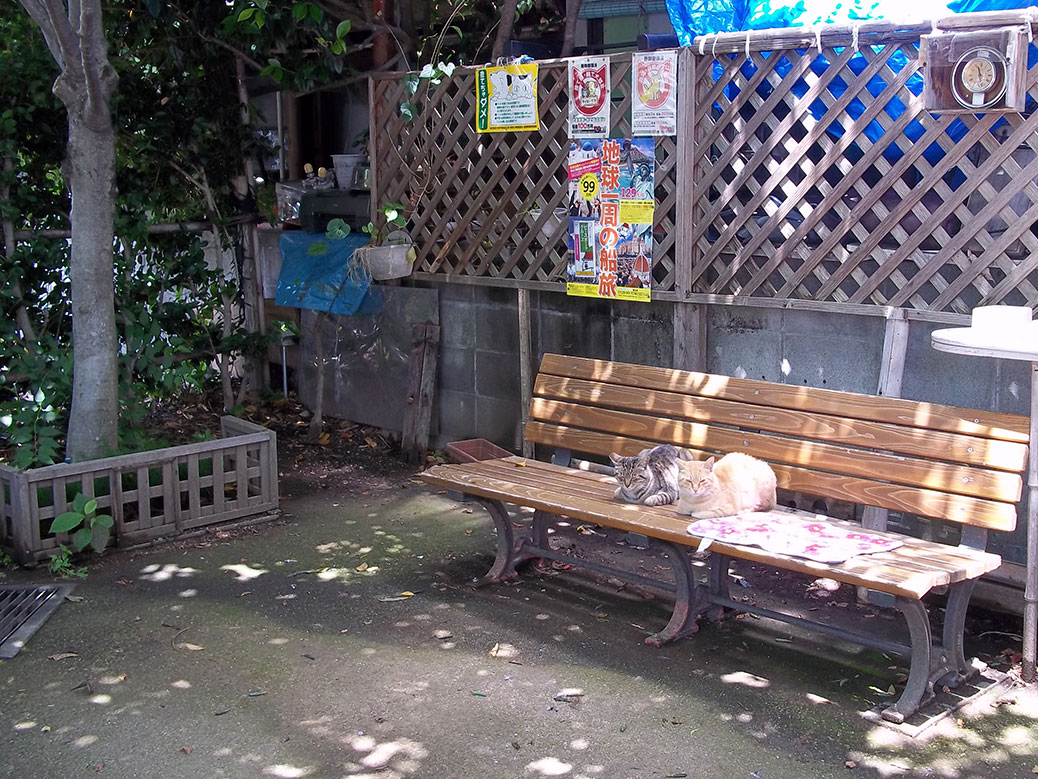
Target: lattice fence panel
{"x": 808, "y": 174}
{"x": 821, "y": 177}
{"x": 494, "y": 206}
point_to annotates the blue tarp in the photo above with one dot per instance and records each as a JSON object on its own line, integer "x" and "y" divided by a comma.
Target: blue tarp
{"x": 322, "y": 274}
{"x": 691, "y": 18}
{"x": 701, "y": 17}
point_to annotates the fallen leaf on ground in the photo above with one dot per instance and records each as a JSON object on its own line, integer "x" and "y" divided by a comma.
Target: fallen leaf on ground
{"x": 362, "y": 567}
{"x": 186, "y": 750}
{"x": 74, "y": 598}
{"x": 64, "y": 655}
{"x": 850, "y": 764}
{"x": 189, "y": 647}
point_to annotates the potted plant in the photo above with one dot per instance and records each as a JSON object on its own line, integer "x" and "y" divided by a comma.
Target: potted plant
{"x": 392, "y": 253}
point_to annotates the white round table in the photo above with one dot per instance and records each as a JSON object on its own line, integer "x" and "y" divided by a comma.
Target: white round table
{"x": 1011, "y": 346}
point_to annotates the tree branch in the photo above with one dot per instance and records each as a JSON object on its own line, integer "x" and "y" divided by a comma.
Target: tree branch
{"x": 99, "y": 76}
{"x": 508, "y": 10}
{"x": 57, "y": 31}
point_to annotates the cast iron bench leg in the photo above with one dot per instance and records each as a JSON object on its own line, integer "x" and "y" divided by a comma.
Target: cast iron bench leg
{"x": 504, "y": 565}
{"x": 687, "y": 603}
{"x": 919, "y": 687}
{"x": 954, "y": 626}
{"x": 718, "y": 581}
{"x": 511, "y": 553}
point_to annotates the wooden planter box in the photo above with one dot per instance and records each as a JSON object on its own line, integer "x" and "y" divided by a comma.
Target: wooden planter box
{"x": 162, "y": 493}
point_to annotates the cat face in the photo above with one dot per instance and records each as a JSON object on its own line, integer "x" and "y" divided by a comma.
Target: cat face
{"x": 698, "y": 478}
{"x": 629, "y": 471}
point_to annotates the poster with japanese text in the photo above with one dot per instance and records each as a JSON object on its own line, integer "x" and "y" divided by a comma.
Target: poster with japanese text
{"x": 654, "y": 102}
{"x": 611, "y": 196}
{"x": 506, "y": 98}
{"x": 589, "y": 102}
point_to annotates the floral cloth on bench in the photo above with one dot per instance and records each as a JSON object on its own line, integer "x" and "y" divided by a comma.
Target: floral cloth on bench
{"x": 791, "y": 535}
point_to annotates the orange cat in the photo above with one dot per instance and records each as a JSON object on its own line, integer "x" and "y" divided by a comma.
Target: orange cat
{"x": 736, "y": 483}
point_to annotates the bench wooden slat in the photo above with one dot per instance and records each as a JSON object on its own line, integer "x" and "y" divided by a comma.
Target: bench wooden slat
{"x": 931, "y": 503}
{"x": 924, "y": 556}
{"x": 664, "y": 407}
{"x": 598, "y": 486}
{"x": 898, "y": 572}
{"x": 899, "y": 411}
{"x": 964, "y": 480}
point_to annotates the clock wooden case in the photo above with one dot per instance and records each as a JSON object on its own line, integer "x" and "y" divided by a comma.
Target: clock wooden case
{"x": 975, "y": 72}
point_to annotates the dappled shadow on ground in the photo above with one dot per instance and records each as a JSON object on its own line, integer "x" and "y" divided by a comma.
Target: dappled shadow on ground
{"x": 346, "y": 639}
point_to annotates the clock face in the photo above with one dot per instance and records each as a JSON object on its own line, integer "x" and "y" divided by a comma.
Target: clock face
{"x": 979, "y": 78}
{"x": 978, "y": 75}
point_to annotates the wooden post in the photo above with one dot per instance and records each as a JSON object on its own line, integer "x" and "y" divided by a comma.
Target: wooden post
{"x": 689, "y": 318}
{"x": 891, "y": 375}
{"x": 421, "y": 388}
{"x": 690, "y": 337}
{"x": 525, "y": 367}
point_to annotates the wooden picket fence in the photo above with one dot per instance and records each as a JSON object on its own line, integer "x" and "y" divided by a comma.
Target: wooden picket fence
{"x": 158, "y": 494}
{"x": 806, "y": 170}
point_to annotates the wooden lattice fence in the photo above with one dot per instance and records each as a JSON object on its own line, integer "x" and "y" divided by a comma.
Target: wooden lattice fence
{"x": 162, "y": 493}
{"x": 806, "y": 170}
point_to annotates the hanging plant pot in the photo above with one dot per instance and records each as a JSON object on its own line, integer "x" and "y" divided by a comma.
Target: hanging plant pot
{"x": 389, "y": 261}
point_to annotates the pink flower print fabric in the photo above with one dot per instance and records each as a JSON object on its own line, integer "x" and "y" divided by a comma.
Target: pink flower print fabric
{"x": 794, "y": 536}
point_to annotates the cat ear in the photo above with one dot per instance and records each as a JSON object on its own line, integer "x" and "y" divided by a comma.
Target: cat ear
{"x": 614, "y": 457}
{"x": 709, "y": 463}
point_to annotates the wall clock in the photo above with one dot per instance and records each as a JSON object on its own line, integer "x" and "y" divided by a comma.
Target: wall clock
{"x": 979, "y": 78}
{"x": 975, "y": 72}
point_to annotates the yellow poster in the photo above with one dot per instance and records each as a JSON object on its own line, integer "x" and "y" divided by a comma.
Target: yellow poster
{"x": 506, "y": 99}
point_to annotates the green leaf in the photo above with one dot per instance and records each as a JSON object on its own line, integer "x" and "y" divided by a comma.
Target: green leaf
{"x": 427, "y": 71}
{"x": 246, "y": 14}
{"x": 411, "y": 82}
{"x": 99, "y": 538}
{"x": 391, "y": 214}
{"x": 343, "y": 29}
{"x": 318, "y": 247}
{"x": 299, "y": 11}
{"x": 408, "y": 111}
{"x": 90, "y": 507}
{"x": 103, "y": 520}
{"x": 447, "y": 68}
{"x": 316, "y": 13}
{"x": 79, "y": 503}
{"x": 81, "y": 538}
{"x": 65, "y": 522}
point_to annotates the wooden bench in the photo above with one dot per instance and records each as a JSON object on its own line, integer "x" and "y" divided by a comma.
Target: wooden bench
{"x": 921, "y": 459}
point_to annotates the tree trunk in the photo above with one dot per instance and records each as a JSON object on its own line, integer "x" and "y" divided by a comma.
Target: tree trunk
{"x": 504, "y": 29}
{"x": 90, "y": 173}
{"x": 75, "y": 36}
{"x": 569, "y": 31}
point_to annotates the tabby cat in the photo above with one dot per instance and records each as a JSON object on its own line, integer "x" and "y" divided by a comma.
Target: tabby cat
{"x": 649, "y": 477}
{"x": 737, "y": 482}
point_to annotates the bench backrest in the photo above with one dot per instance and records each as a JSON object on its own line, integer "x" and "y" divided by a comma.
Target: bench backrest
{"x": 919, "y": 458}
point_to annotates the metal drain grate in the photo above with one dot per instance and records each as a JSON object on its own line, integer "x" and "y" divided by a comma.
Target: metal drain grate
{"x": 23, "y": 610}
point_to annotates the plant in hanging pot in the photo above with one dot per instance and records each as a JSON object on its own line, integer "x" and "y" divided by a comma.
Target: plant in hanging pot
{"x": 392, "y": 253}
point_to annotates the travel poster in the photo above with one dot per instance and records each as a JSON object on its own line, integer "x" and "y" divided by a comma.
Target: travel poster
{"x": 611, "y": 196}
{"x": 506, "y": 98}
{"x": 654, "y": 101}
{"x": 589, "y": 101}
